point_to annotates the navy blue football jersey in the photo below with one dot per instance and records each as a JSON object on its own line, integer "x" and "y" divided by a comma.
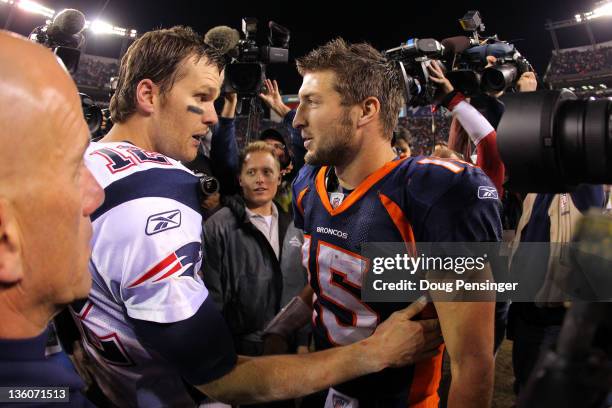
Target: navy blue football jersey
{"x": 421, "y": 199}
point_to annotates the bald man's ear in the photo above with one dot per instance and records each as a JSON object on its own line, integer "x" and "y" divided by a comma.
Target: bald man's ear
{"x": 370, "y": 109}
{"x": 146, "y": 94}
{"x": 11, "y": 268}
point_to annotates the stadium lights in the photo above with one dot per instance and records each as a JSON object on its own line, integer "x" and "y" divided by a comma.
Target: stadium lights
{"x": 604, "y": 9}
{"x": 96, "y": 27}
{"x": 35, "y": 8}
{"x": 102, "y": 27}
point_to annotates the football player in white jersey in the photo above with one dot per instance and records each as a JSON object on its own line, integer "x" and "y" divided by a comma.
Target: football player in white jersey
{"x": 149, "y": 325}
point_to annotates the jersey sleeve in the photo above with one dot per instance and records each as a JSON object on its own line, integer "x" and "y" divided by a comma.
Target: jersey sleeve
{"x": 468, "y": 211}
{"x": 147, "y": 243}
{"x": 200, "y": 347}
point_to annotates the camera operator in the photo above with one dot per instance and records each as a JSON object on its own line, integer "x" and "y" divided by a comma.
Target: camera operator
{"x": 217, "y": 160}
{"x": 272, "y": 98}
{"x": 489, "y": 160}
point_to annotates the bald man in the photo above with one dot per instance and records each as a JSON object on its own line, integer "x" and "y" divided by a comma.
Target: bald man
{"x": 46, "y": 197}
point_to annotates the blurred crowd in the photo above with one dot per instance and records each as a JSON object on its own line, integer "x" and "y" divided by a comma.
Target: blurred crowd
{"x": 581, "y": 62}
{"x": 96, "y": 71}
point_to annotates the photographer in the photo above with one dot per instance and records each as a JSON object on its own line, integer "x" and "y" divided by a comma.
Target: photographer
{"x": 218, "y": 157}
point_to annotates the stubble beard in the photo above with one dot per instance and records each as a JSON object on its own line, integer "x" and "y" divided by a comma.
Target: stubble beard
{"x": 333, "y": 149}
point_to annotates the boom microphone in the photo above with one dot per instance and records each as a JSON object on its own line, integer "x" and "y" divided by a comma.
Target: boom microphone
{"x": 66, "y": 26}
{"x": 457, "y": 45}
{"x": 223, "y": 38}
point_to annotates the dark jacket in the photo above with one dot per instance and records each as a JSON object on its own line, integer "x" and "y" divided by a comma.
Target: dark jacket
{"x": 242, "y": 273}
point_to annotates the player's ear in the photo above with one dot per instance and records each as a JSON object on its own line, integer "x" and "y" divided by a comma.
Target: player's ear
{"x": 147, "y": 93}
{"x": 370, "y": 108}
{"x": 11, "y": 267}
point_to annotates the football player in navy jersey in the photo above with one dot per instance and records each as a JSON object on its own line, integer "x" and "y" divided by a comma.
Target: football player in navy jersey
{"x": 354, "y": 189}
{"x": 149, "y": 326}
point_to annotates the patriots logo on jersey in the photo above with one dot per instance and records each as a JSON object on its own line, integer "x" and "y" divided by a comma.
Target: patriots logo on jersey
{"x": 163, "y": 222}
{"x": 182, "y": 262}
{"x": 486, "y": 192}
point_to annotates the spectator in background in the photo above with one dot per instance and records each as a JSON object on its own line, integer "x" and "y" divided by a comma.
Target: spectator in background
{"x": 43, "y": 136}
{"x": 577, "y": 62}
{"x": 276, "y": 141}
{"x": 253, "y": 252}
{"x": 402, "y": 142}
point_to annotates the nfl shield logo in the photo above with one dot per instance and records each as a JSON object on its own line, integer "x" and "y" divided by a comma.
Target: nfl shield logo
{"x": 336, "y": 199}
{"x": 339, "y": 402}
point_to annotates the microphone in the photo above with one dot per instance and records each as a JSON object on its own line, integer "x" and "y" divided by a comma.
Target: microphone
{"x": 223, "y": 38}
{"x": 456, "y": 45}
{"x": 66, "y": 27}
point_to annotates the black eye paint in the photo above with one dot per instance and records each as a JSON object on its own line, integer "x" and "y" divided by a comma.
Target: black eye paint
{"x": 194, "y": 109}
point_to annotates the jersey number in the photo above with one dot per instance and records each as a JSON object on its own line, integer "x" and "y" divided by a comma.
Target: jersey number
{"x": 336, "y": 264}
{"x": 123, "y": 157}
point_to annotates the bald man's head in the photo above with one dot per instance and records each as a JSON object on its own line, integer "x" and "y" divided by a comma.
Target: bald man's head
{"x": 38, "y": 97}
{"x": 46, "y": 193}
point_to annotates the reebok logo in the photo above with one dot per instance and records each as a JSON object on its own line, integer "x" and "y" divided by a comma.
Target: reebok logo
{"x": 163, "y": 222}
{"x": 486, "y": 192}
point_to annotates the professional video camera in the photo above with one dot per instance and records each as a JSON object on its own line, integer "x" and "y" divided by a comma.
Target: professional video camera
{"x": 464, "y": 59}
{"x": 503, "y": 74}
{"x": 64, "y": 36}
{"x": 246, "y": 72}
{"x": 413, "y": 58}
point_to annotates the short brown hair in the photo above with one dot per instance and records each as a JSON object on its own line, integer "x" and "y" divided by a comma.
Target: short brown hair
{"x": 157, "y": 56}
{"x": 361, "y": 72}
{"x": 253, "y": 147}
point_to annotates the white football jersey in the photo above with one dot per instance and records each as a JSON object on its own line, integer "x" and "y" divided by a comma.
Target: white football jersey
{"x": 146, "y": 252}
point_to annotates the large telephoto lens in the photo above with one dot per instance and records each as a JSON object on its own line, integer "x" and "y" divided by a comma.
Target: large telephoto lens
{"x": 550, "y": 141}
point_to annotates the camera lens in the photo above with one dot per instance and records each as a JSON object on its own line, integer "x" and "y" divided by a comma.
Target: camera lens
{"x": 550, "y": 141}
{"x": 245, "y": 78}
{"x": 498, "y": 78}
{"x": 209, "y": 185}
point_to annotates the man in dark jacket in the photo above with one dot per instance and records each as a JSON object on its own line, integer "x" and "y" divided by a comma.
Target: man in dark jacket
{"x": 252, "y": 252}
